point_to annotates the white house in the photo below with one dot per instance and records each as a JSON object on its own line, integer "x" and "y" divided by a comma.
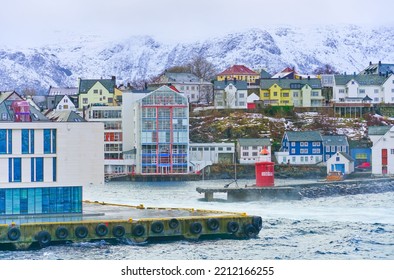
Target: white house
{"x": 383, "y": 154}
{"x": 364, "y": 88}
{"x": 249, "y": 149}
{"x": 342, "y": 162}
{"x": 231, "y": 94}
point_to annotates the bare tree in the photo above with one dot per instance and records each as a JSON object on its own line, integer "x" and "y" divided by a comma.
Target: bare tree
{"x": 29, "y": 92}
{"x": 202, "y": 68}
{"x": 325, "y": 69}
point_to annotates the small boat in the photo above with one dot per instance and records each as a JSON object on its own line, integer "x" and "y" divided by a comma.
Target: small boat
{"x": 335, "y": 176}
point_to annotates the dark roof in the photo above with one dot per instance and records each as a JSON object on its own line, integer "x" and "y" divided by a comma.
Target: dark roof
{"x": 364, "y": 80}
{"x": 86, "y": 85}
{"x": 291, "y": 83}
{"x": 254, "y": 142}
{"x": 348, "y": 157}
{"x": 335, "y": 140}
{"x": 221, "y": 85}
{"x": 264, "y": 74}
{"x": 299, "y": 136}
{"x": 378, "y": 68}
{"x": 378, "y": 130}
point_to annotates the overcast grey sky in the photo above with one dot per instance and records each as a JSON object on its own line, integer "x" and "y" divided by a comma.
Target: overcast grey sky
{"x": 33, "y": 22}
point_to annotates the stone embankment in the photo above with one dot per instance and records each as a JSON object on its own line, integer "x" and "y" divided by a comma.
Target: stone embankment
{"x": 347, "y": 187}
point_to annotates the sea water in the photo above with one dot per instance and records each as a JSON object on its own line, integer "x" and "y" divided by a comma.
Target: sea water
{"x": 359, "y": 227}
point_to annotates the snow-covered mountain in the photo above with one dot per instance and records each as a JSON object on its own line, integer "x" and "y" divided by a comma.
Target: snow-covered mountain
{"x": 348, "y": 48}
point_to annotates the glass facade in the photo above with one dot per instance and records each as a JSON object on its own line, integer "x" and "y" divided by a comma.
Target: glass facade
{"x": 46, "y": 200}
{"x": 164, "y": 133}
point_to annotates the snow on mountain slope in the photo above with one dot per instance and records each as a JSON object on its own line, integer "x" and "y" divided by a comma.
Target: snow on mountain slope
{"x": 348, "y": 48}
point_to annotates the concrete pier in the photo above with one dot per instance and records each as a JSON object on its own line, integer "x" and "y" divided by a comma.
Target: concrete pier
{"x": 105, "y": 221}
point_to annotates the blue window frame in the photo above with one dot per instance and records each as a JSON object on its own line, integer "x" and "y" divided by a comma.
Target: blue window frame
{"x": 54, "y": 170}
{"x": 27, "y": 141}
{"x": 5, "y": 141}
{"x": 49, "y": 141}
{"x": 37, "y": 169}
{"x": 14, "y": 169}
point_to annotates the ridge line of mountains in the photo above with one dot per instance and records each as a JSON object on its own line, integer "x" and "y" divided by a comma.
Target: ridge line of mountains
{"x": 348, "y": 48}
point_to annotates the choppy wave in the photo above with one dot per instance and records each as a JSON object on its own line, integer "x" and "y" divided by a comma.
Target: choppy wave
{"x": 325, "y": 227}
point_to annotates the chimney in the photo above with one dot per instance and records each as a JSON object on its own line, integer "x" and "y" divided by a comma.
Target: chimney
{"x": 309, "y": 77}
{"x": 235, "y": 80}
{"x": 380, "y": 63}
{"x": 370, "y": 63}
{"x": 225, "y": 80}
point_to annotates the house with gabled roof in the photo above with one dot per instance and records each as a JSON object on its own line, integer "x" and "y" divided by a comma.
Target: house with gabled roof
{"x": 61, "y": 102}
{"x": 195, "y": 89}
{"x": 363, "y": 88}
{"x": 240, "y": 73}
{"x": 376, "y": 132}
{"x": 230, "y": 94}
{"x": 342, "y": 162}
{"x": 383, "y": 154}
{"x": 291, "y": 92}
{"x": 96, "y": 91}
{"x": 300, "y": 147}
{"x": 249, "y": 149}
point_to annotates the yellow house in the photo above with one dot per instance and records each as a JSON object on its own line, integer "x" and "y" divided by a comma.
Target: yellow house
{"x": 292, "y": 92}
{"x": 239, "y": 73}
{"x": 276, "y": 95}
{"x": 96, "y": 91}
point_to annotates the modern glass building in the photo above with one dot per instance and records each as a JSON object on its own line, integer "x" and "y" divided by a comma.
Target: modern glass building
{"x": 163, "y": 132}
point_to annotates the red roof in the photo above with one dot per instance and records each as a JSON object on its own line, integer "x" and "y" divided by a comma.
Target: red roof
{"x": 238, "y": 70}
{"x": 174, "y": 88}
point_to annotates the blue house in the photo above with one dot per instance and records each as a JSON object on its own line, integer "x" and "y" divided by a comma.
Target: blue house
{"x": 333, "y": 144}
{"x": 301, "y": 147}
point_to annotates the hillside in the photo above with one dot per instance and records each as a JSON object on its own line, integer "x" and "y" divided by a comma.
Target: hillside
{"x": 226, "y": 126}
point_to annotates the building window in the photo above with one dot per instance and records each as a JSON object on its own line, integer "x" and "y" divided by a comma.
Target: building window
{"x": 315, "y": 93}
{"x": 328, "y": 149}
{"x": 293, "y": 151}
{"x": 49, "y": 141}
{"x": 14, "y": 169}
{"x": 95, "y": 91}
{"x": 27, "y": 141}
{"x": 84, "y": 100}
{"x": 5, "y": 141}
{"x": 341, "y": 91}
{"x": 361, "y": 91}
{"x": 37, "y": 169}
{"x": 337, "y": 159}
{"x": 245, "y": 154}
